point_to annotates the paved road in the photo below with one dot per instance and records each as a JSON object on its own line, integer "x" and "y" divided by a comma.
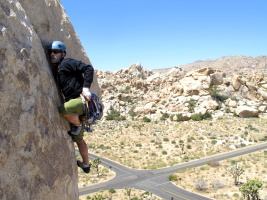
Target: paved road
{"x": 156, "y": 181}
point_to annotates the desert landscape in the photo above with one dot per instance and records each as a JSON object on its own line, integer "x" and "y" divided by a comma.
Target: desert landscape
{"x": 155, "y": 119}
{"x": 158, "y": 145}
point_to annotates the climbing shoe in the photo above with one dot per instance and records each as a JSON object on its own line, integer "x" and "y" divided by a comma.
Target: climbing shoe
{"x": 75, "y": 130}
{"x": 84, "y": 168}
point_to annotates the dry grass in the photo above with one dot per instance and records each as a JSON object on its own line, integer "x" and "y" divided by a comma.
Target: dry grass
{"x": 120, "y": 194}
{"x": 164, "y": 144}
{"x": 255, "y": 166}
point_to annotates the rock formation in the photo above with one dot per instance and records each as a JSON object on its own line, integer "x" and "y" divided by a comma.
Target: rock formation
{"x": 202, "y": 89}
{"x": 37, "y": 156}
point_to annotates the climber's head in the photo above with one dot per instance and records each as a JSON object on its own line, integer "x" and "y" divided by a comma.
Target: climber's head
{"x": 57, "y": 52}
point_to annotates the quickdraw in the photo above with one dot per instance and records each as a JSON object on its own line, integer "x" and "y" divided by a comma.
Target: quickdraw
{"x": 93, "y": 111}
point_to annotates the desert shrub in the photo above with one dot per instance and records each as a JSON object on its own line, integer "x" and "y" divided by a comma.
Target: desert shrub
{"x": 153, "y": 154}
{"x": 114, "y": 115}
{"x": 192, "y": 104}
{"x": 126, "y": 90}
{"x": 201, "y": 184}
{"x": 214, "y": 163}
{"x": 185, "y": 159}
{"x": 164, "y": 153}
{"x": 250, "y": 127}
{"x": 213, "y": 141}
{"x": 179, "y": 117}
{"x": 126, "y": 99}
{"x": 166, "y": 139}
{"x": 164, "y": 116}
{"x": 204, "y": 168}
{"x": 173, "y": 177}
{"x": 217, "y": 184}
{"x": 207, "y": 115}
{"x": 132, "y": 113}
{"x": 215, "y": 93}
{"x": 146, "y": 119}
{"x": 138, "y": 145}
{"x": 196, "y": 117}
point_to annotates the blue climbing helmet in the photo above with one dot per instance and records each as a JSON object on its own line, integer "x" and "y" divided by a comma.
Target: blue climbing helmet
{"x": 58, "y": 45}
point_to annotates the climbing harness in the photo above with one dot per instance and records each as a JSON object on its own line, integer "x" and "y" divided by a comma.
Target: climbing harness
{"x": 93, "y": 111}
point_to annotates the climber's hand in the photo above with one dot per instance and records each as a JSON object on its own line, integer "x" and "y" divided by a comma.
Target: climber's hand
{"x": 86, "y": 93}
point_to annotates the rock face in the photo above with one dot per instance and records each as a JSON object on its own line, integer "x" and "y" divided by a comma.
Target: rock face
{"x": 37, "y": 156}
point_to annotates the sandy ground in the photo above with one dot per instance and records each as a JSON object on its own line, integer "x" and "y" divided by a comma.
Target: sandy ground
{"x": 165, "y": 143}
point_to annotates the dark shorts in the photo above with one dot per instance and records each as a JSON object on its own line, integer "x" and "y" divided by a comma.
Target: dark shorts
{"x": 78, "y": 137}
{"x": 70, "y": 107}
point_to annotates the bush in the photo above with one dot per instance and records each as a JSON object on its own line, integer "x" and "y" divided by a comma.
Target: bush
{"x": 132, "y": 113}
{"x": 114, "y": 115}
{"x": 192, "y": 104}
{"x": 197, "y": 117}
{"x": 200, "y": 116}
{"x": 213, "y": 141}
{"x": 126, "y": 99}
{"x": 207, "y": 115}
{"x": 173, "y": 177}
{"x": 166, "y": 139}
{"x": 164, "y": 116}
{"x": 164, "y": 153}
{"x": 214, "y": 92}
{"x": 112, "y": 191}
{"x": 214, "y": 163}
{"x": 146, "y": 119}
{"x": 201, "y": 184}
{"x": 217, "y": 184}
{"x": 179, "y": 117}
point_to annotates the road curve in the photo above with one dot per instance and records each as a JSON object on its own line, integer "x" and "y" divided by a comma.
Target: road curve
{"x": 156, "y": 181}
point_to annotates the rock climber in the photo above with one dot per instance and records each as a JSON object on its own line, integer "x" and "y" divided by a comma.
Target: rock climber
{"x": 73, "y": 78}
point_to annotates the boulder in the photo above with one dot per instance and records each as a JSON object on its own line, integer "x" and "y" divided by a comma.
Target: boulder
{"x": 216, "y": 79}
{"x": 211, "y": 105}
{"x": 246, "y": 111}
{"x": 236, "y": 82}
{"x": 37, "y": 155}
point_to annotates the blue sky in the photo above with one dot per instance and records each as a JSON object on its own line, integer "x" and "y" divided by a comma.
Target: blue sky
{"x": 167, "y": 33}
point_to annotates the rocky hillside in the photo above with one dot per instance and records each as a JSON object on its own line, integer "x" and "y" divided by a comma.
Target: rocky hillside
{"x": 236, "y": 84}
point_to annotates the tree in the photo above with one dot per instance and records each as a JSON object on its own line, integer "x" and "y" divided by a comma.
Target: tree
{"x": 128, "y": 191}
{"x": 96, "y": 162}
{"x": 236, "y": 171}
{"x": 181, "y": 143}
{"x": 250, "y": 189}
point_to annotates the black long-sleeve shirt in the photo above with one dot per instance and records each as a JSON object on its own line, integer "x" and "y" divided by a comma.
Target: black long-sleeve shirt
{"x": 73, "y": 75}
